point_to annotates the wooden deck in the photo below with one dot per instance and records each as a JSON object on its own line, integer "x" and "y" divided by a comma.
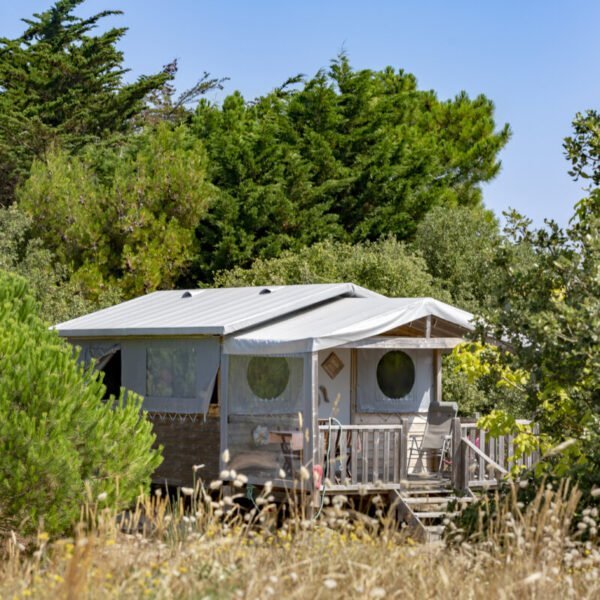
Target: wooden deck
{"x": 369, "y": 459}
{"x": 359, "y": 458}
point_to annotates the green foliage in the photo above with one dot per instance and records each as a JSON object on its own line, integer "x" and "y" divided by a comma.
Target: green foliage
{"x": 48, "y": 280}
{"x": 121, "y": 219}
{"x": 583, "y": 148}
{"x": 459, "y": 245}
{"x": 547, "y": 311}
{"x": 476, "y": 379}
{"x": 349, "y": 155}
{"x": 387, "y": 267}
{"x": 60, "y": 83}
{"x": 57, "y": 436}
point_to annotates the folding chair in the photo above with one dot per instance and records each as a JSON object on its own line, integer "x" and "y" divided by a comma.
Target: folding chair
{"x": 436, "y": 438}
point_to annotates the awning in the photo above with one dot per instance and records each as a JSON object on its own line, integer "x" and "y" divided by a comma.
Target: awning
{"x": 341, "y": 322}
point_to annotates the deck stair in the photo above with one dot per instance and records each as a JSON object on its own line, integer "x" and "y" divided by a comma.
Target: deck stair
{"x": 424, "y": 506}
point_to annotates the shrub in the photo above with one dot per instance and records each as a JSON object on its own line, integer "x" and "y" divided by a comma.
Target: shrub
{"x": 59, "y": 441}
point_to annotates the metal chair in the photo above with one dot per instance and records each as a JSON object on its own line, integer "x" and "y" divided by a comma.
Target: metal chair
{"x": 437, "y": 436}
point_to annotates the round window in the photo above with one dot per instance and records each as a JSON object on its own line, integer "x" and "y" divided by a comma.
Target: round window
{"x": 396, "y": 374}
{"x": 268, "y": 376}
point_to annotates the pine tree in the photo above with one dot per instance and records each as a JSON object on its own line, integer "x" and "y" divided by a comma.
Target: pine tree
{"x": 62, "y": 84}
{"x": 60, "y": 442}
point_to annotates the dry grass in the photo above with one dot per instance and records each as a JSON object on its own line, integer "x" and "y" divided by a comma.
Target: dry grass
{"x": 213, "y": 551}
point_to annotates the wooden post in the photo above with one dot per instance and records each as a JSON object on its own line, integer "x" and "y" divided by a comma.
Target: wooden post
{"x": 437, "y": 376}
{"x": 457, "y": 454}
{"x": 224, "y": 408}
{"x": 311, "y": 414}
{"x": 403, "y": 458}
{"x": 463, "y": 478}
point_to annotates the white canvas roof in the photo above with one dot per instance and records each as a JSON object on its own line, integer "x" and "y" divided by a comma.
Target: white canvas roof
{"x": 341, "y": 322}
{"x": 218, "y": 311}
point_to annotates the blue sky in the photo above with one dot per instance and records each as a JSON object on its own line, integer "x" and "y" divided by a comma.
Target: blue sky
{"x": 537, "y": 60}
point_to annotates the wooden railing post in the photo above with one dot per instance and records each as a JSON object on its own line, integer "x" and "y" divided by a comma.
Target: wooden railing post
{"x": 404, "y": 450}
{"x": 457, "y": 455}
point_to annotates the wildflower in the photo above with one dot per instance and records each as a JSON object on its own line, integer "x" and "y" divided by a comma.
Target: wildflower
{"x": 102, "y": 496}
{"x": 330, "y": 584}
{"x": 225, "y": 456}
{"x": 187, "y": 491}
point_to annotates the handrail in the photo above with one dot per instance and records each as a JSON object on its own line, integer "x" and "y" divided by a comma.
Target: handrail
{"x": 365, "y": 427}
{"x": 484, "y": 456}
{"x": 473, "y": 424}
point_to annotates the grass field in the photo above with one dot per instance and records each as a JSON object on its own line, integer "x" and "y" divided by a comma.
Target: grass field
{"x": 210, "y": 550}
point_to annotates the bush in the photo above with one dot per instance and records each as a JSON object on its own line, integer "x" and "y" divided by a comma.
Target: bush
{"x": 60, "y": 443}
{"x": 386, "y": 266}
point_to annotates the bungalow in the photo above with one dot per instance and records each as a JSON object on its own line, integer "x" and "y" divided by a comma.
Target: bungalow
{"x": 332, "y": 377}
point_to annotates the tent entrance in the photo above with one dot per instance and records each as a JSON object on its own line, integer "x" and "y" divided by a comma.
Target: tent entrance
{"x": 112, "y": 375}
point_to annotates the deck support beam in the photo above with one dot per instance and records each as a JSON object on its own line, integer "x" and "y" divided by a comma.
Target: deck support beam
{"x": 311, "y": 417}
{"x": 404, "y": 451}
{"x": 437, "y": 376}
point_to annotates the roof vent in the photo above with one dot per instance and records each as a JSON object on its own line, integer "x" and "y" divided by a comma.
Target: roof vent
{"x": 191, "y": 293}
{"x": 265, "y": 291}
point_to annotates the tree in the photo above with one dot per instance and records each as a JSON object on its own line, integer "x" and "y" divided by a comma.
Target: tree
{"x": 348, "y": 155}
{"x": 48, "y": 279}
{"x": 583, "y": 148}
{"x": 459, "y": 245}
{"x": 60, "y": 443}
{"x": 121, "y": 218}
{"x": 547, "y": 311}
{"x": 386, "y": 267}
{"x": 61, "y": 84}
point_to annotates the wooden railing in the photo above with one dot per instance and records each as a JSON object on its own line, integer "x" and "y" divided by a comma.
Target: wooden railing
{"x": 354, "y": 455}
{"x": 481, "y": 460}
{"x": 379, "y": 455}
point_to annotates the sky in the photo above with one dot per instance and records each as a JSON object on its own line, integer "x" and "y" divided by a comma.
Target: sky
{"x": 537, "y": 60}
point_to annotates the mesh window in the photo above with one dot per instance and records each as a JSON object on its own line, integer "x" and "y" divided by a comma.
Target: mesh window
{"x": 171, "y": 372}
{"x": 395, "y": 374}
{"x": 393, "y": 381}
{"x": 265, "y": 384}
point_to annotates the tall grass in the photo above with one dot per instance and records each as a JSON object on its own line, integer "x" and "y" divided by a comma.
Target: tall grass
{"x": 198, "y": 546}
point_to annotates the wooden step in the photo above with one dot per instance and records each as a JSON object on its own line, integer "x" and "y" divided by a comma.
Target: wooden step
{"x": 435, "y": 515}
{"x": 428, "y": 499}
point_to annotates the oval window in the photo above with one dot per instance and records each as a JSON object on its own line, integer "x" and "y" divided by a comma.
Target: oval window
{"x": 268, "y": 376}
{"x": 396, "y": 374}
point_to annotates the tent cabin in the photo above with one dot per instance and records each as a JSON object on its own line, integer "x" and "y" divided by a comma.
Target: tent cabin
{"x": 280, "y": 376}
